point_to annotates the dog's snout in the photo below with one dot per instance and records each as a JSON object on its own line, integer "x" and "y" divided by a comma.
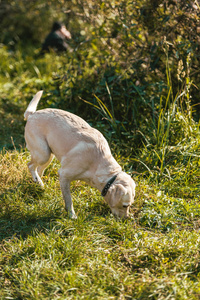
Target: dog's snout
{"x": 120, "y": 213}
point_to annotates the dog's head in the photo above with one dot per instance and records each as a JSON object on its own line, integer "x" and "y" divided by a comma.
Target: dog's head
{"x": 121, "y": 195}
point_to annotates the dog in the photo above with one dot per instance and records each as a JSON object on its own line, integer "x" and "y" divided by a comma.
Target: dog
{"x": 83, "y": 152}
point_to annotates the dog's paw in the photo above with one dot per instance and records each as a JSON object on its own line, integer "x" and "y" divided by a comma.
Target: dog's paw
{"x": 72, "y": 215}
{"x": 41, "y": 184}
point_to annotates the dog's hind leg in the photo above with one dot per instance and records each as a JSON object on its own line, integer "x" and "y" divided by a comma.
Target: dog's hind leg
{"x": 41, "y": 168}
{"x": 40, "y": 158}
{"x": 32, "y": 165}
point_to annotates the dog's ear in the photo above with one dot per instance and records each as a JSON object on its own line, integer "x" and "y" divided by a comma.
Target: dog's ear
{"x": 116, "y": 193}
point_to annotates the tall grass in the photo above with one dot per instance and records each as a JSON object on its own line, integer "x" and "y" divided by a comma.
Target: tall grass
{"x": 152, "y": 255}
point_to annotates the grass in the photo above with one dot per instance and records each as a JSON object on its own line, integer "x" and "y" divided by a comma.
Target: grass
{"x": 45, "y": 255}
{"x": 152, "y": 255}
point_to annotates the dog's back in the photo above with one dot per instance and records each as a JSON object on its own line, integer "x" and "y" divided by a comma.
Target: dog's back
{"x": 63, "y": 131}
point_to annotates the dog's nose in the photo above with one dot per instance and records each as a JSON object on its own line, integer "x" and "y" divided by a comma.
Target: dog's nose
{"x": 120, "y": 214}
{"x": 125, "y": 216}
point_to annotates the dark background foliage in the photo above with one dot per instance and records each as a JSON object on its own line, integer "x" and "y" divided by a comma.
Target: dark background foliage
{"x": 133, "y": 73}
{"x": 127, "y": 54}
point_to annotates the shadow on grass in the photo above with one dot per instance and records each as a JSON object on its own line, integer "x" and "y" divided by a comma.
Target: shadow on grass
{"x": 28, "y": 208}
{"x": 22, "y": 211}
{"x": 11, "y": 125}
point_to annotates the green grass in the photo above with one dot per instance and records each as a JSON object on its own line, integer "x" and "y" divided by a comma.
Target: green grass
{"x": 45, "y": 255}
{"x": 152, "y": 255}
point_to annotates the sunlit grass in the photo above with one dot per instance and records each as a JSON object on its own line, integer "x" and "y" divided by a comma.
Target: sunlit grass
{"x": 45, "y": 255}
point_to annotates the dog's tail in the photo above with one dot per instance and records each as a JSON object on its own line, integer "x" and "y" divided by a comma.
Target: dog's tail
{"x": 33, "y": 105}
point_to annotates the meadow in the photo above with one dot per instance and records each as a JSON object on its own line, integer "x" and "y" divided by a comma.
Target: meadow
{"x": 155, "y": 254}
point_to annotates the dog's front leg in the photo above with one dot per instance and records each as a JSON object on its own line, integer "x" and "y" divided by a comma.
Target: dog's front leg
{"x": 65, "y": 188}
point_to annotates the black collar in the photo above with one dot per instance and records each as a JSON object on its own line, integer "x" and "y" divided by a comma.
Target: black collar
{"x": 107, "y": 186}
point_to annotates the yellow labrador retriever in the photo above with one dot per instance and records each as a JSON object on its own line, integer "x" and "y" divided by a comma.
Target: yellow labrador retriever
{"x": 83, "y": 152}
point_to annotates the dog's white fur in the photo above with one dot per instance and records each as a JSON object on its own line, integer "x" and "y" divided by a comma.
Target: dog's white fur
{"x": 83, "y": 152}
